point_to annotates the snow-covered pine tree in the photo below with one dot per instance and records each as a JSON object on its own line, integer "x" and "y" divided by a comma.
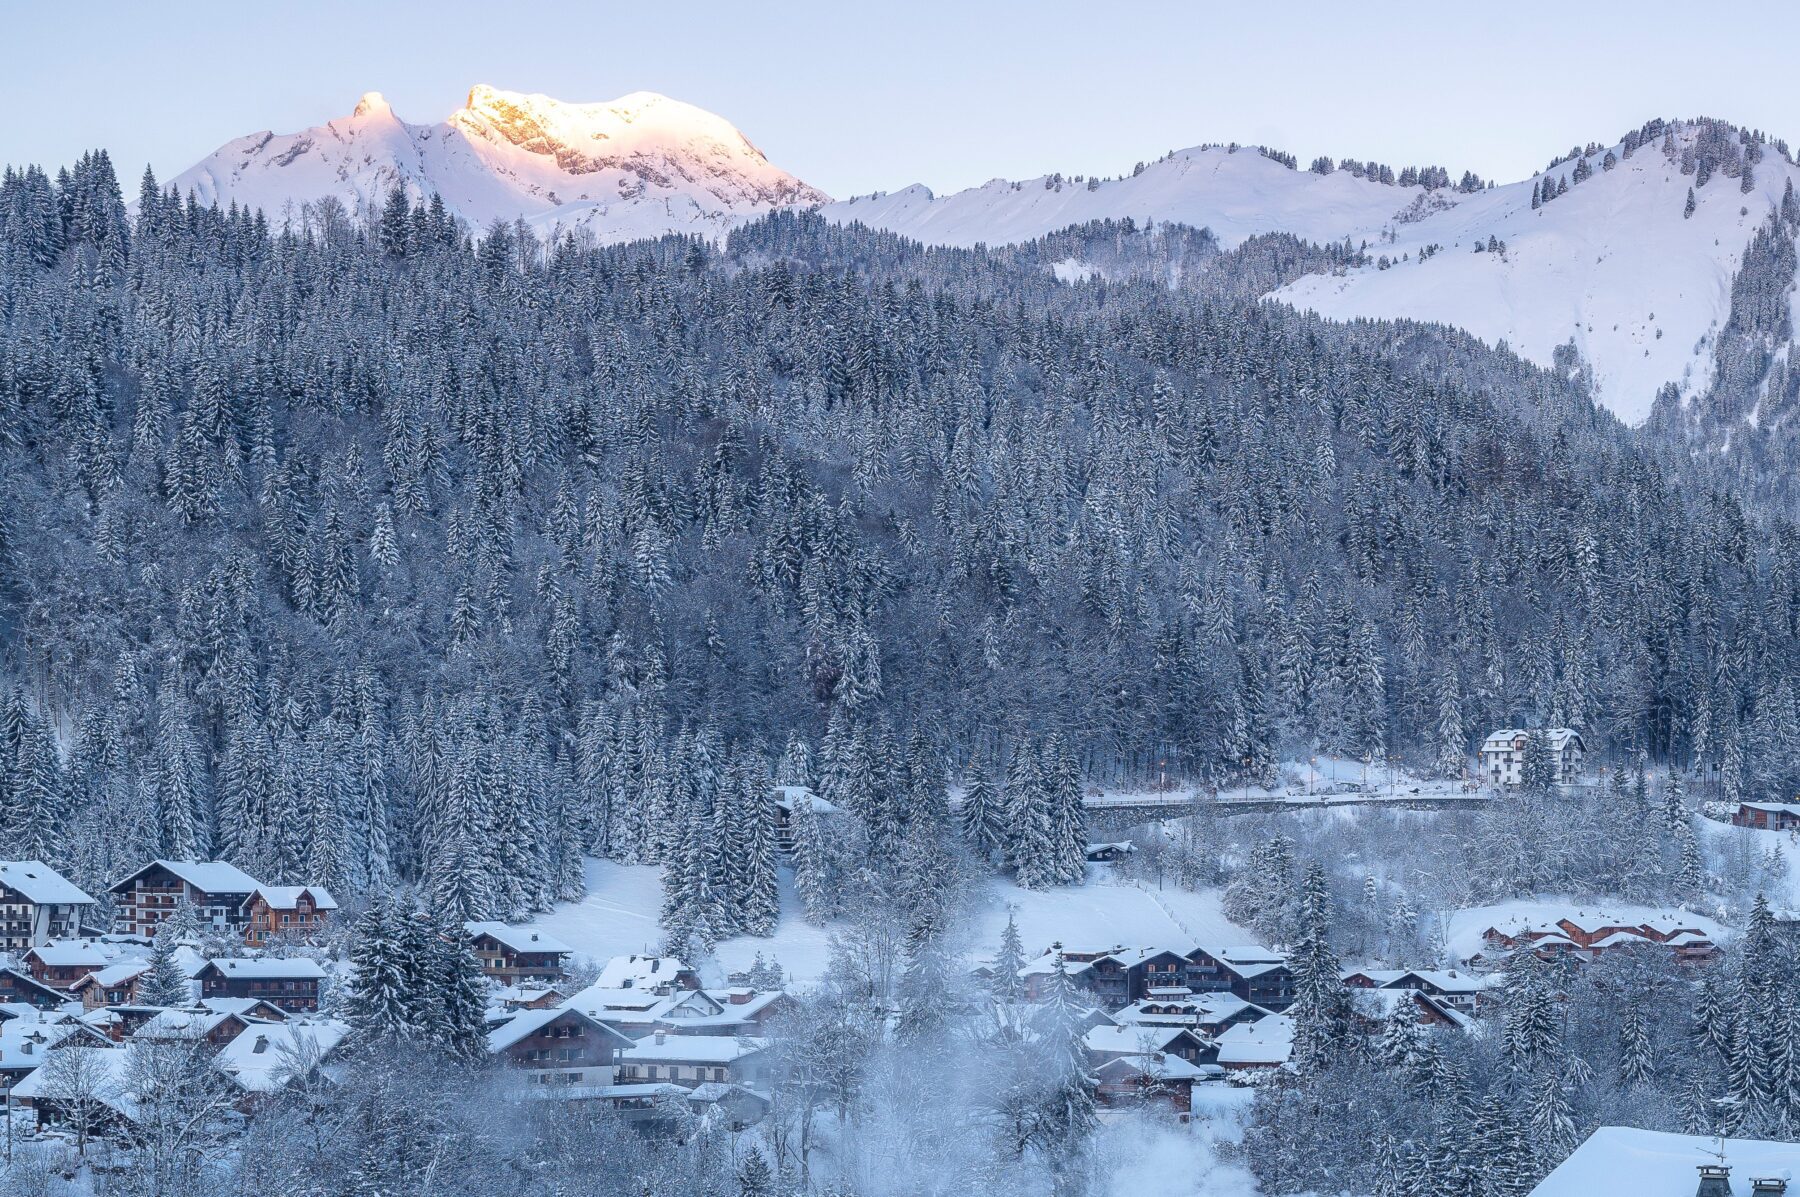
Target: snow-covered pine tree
{"x": 381, "y": 1004}
{"x": 1321, "y": 1007}
{"x": 164, "y": 982}
{"x": 981, "y": 817}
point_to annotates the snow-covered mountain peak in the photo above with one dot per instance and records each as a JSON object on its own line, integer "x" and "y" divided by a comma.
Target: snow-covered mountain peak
{"x": 638, "y": 166}
{"x": 644, "y": 133}
{"x": 374, "y": 104}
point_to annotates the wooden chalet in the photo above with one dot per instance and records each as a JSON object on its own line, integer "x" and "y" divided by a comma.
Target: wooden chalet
{"x": 1461, "y": 991}
{"x": 290, "y": 983}
{"x": 115, "y": 985}
{"x": 218, "y": 892}
{"x": 296, "y": 911}
{"x": 512, "y": 954}
{"x": 214, "y": 1028}
{"x": 25, "y": 990}
{"x": 558, "y": 1046}
{"x": 787, "y": 799}
{"x": 1767, "y": 816}
{"x": 690, "y": 1060}
{"x": 60, "y": 963}
{"x": 1153, "y": 1079}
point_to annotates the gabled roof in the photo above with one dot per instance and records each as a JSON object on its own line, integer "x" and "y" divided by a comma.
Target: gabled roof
{"x": 788, "y": 797}
{"x": 261, "y": 1058}
{"x": 1046, "y": 964}
{"x": 24, "y": 1043}
{"x": 640, "y": 972}
{"x": 75, "y": 953}
{"x": 716, "y": 1091}
{"x": 599, "y": 1000}
{"x": 22, "y": 980}
{"x": 184, "y": 1024}
{"x": 113, "y": 974}
{"x": 529, "y": 1022}
{"x": 267, "y": 968}
{"x": 1446, "y": 979}
{"x": 518, "y": 938}
{"x": 1266, "y": 1041}
{"x": 1556, "y": 738}
{"x": 41, "y": 884}
{"x": 1646, "y": 1163}
{"x": 1134, "y": 1040}
{"x": 1379, "y": 1004}
{"x": 287, "y": 897}
{"x": 1202, "y": 1007}
{"x": 209, "y": 876}
{"x": 1158, "y": 1066}
{"x": 257, "y": 1008}
{"x": 700, "y": 1049}
{"x": 111, "y": 1087}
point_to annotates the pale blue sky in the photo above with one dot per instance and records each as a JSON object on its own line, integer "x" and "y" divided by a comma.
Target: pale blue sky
{"x": 853, "y": 97}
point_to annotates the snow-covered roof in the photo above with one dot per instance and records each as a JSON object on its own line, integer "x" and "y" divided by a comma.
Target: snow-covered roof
{"x": 1131, "y": 1040}
{"x": 209, "y": 876}
{"x": 599, "y": 1000}
{"x": 1469, "y": 927}
{"x": 1046, "y": 964}
{"x": 287, "y": 897}
{"x": 1203, "y": 1007}
{"x": 114, "y": 974}
{"x": 1446, "y": 979}
{"x": 789, "y": 797}
{"x": 1508, "y": 739}
{"x": 1777, "y": 808}
{"x": 699, "y": 1049}
{"x": 261, "y": 1058}
{"x": 253, "y": 1007}
{"x": 529, "y": 1022}
{"x": 19, "y": 979}
{"x": 109, "y": 1084}
{"x": 182, "y": 1024}
{"x": 25, "y": 1042}
{"x": 715, "y": 1091}
{"x": 75, "y": 953}
{"x": 1160, "y": 1066}
{"x": 639, "y": 972}
{"x": 696, "y": 1008}
{"x": 1624, "y": 1161}
{"x": 41, "y": 884}
{"x": 1379, "y": 1004}
{"x": 1266, "y": 1041}
{"x": 518, "y": 938}
{"x": 269, "y": 968}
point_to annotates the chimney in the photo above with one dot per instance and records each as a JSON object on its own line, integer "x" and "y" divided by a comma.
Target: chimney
{"x": 1768, "y": 1186}
{"x": 1715, "y": 1181}
{"x": 739, "y": 996}
{"x": 660, "y": 1036}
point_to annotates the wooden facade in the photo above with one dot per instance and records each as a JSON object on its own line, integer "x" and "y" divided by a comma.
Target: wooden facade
{"x": 150, "y": 896}
{"x": 293, "y": 985}
{"x": 286, "y": 911}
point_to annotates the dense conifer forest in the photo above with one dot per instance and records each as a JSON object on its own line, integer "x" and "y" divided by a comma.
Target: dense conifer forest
{"x": 397, "y": 552}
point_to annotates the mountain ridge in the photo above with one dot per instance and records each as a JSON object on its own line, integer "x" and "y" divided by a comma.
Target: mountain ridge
{"x": 639, "y": 166}
{"x": 1611, "y": 273}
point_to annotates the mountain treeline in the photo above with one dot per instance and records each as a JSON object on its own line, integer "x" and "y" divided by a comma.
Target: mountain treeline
{"x": 362, "y": 553}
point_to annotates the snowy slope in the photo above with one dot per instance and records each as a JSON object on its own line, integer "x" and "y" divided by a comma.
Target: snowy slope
{"x": 1611, "y": 265}
{"x": 639, "y": 166}
{"x": 1235, "y": 194}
